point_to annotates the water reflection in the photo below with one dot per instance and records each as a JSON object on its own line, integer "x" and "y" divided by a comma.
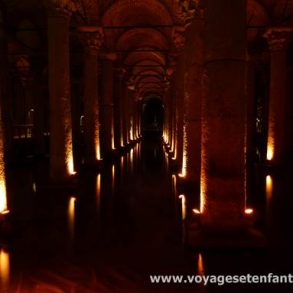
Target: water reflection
{"x": 113, "y": 178}
{"x": 4, "y": 270}
{"x": 269, "y": 197}
{"x": 183, "y": 206}
{"x": 71, "y": 215}
{"x": 200, "y": 265}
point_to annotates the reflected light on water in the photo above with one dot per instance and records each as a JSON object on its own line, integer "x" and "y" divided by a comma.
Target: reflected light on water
{"x": 71, "y": 215}
{"x": 249, "y": 211}
{"x": 4, "y": 270}
{"x": 269, "y": 187}
{"x": 98, "y": 187}
{"x": 34, "y": 187}
{"x": 196, "y": 211}
{"x": 183, "y": 204}
{"x": 113, "y": 177}
{"x": 200, "y": 265}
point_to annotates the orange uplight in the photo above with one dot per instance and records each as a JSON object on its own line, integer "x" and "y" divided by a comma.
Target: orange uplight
{"x": 3, "y": 198}
{"x": 269, "y": 186}
{"x": 200, "y": 265}
{"x": 71, "y": 215}
{"x": 184, "y": 158}
{"x": 4, "y": 269}
{"x": 249, "y": 211}
{"x": 270, "y": 149}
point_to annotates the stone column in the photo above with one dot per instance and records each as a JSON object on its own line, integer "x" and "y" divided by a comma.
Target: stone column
{"x": 117, "y": 111}
{"x": 250, "y": 110}
{"x": 125, "y": 116}
{"x": 3, "y": 63}
{"x": 107, "y": 108}
{"x": 192, "y": 101}
{"x": 93, "y": 41}
{"x": 223, "y": 116}
{"x": 61, "y": 151}
{"x": 179, "y": 111}
{"x": 278, "y": 40}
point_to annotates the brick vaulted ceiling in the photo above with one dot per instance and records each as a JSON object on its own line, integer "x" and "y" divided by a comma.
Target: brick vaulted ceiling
{"x": 145, "y": 35}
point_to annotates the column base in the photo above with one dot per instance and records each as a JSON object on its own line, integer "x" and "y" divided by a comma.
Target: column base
{"x": 96, "y": 165}
{"x": 65, "y": 184}
{"x": 5, "y": 227}
{"x": 201, "y": 238}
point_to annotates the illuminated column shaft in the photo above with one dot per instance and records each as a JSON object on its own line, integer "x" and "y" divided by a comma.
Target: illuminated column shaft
{"x": 223, "y": 116}
{"x": 277, "y": 39}
{"x": 93, "y": 42}
{"x": 107, "y": 108}
{"x": 117, "y": 112}
{"x": 179, "y": 110}
{"x": 250, "y": 110}
{"x": 192, "y": 100}
{"x": 61, "y": 153}
{"x": 3, "y": 64}
{"x": 124, "y": 114}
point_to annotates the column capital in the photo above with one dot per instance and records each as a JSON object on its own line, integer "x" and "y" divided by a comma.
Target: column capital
{"x": 178, "y": 38}
{"x": 93, "y": 38}
{"x": 278, "y": 37}
{"x": 60, "y": 8}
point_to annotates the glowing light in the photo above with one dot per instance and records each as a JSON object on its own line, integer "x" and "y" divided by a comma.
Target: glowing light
{"x": 184, "y": 159}
{"x": 3, "y": 198}
{"x": 203, "y": 186}
{"x": 71, "y": 215}
{"x": 131, "y": 129}
{"x": 70, "y": 165}
{"x": 269, "y": 186}
{"x": 196, "y": 211}
{"x": 248, "y": 211}
{"x": 4, "y": 269}
{"x": 3, "y": 195}
{"x": 98, "y": 151}
{"x": 200, "y": 265}
{"x": 270, "y": 150}
{"x": 131, "y": 159}
{"x": 113, "y": 177}
{"x": 98, "y": 190}
{"x": 34, "y": 187}
{"x": 183, "y": 203}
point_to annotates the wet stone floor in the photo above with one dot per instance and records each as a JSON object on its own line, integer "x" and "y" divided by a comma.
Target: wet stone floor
{"x": 124, "y": 223}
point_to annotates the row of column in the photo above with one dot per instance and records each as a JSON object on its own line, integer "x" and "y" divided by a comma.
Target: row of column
{"x": 106, "y": 127}
{"x": 216, "y": 136}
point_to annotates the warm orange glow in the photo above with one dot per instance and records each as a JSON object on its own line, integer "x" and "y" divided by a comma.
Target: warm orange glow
{"x": 71, "y": 214}
{"x": 200, "y": 265}
{"x": 3, "y": 198}
{"x": 4, "y": 269}
{"x": 196, "y": 211}
{"x": 113, "y": 177}
{"x": 269, "y": 187}
{"x": 270, "y": 149}
{"x": 131, "y": 159}
{"x": 248, "y": 211}
{"x": 203, "y": 183}
{"x": 184, "y": 159}
{"x": 3, "y": 195}
{"x": 98, "y": 190}
{"x": 183, "y": 203}
{"x": 98, "y": 151}
{"x": 70, "y": 164}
